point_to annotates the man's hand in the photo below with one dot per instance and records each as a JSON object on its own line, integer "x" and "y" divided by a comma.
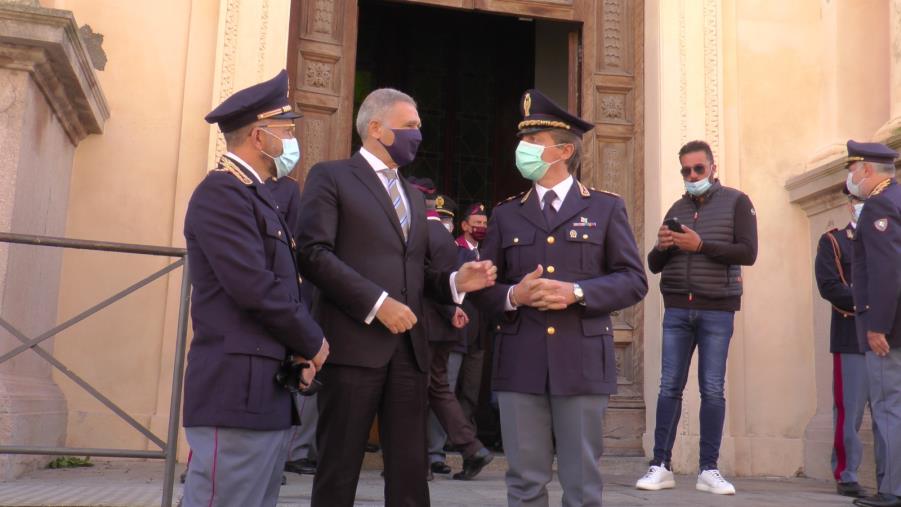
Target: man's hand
{"x": 688, "y": 240}
{"x": 664, "y": 238}
{"x": 554, "y": 295}
{"x": 474, "y": 276}
{"x": 396, "y": 316}
{"x": 878, "y": 343}
{"x": 523, "y": 293}
{"x": 460, "y": 319}
{"x": 320, "y": 357}
{"x": 307, "y": 374}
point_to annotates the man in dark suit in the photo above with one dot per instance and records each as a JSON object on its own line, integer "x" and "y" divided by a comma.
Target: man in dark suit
{"x": 566, "y": 259}
{"x": 877, "y": 301}
{"x": 246, "y": 307}
{"x": 850, "y": 391}
{"x": 364, "y": 244}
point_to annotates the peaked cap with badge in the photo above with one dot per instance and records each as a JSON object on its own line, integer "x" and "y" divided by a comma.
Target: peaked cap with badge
{"x": 539, "y": 113}
{"x": 263, "y": 101}
{"x": 870, "y": 152}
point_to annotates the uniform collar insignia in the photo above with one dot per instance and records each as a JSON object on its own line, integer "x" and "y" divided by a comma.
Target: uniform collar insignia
{"x": 880, "y": 187}
{"x": 849, "y": 233}
{"x": 583, "y": 190}
{"x": 227, "y": 165}
{"x": 526, "y": 196}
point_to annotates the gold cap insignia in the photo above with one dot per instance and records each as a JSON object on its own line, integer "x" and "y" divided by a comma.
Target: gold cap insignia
{"x": 481, "y": 207}
{"x": 526, "y": 104}
{"x": 439, "y": 202}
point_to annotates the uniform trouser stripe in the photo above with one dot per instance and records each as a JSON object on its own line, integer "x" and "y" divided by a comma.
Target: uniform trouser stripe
{"x": 838, "y": 396}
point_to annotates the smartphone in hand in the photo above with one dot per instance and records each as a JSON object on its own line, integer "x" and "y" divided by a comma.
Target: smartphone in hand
{"x": 673, "y": 224}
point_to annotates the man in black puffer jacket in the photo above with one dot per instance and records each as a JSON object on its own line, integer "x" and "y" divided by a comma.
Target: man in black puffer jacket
{"x": 706, "y": 237}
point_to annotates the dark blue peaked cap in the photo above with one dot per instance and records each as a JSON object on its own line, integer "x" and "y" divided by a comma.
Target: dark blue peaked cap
{"x": 541, "y": 113}
{"x": 266, "y": 100}
{"x": 870, "y": 152}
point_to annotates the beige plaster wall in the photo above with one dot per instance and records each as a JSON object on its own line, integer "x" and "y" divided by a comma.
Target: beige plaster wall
{"x": 769, "y": 84}
{"x": 168, "y": 65}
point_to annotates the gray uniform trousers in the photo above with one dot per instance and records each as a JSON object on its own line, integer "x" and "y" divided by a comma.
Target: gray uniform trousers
{"x": 884, "y": 375}
{"x": 303, "y": 438}
{"x": 235, "y": 467}
{"x": 531, "y": 423}
{"x": 850, "y": 391}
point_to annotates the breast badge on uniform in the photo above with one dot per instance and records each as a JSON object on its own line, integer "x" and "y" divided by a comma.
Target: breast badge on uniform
{"x": 583, "y": 222}
{"x": 881, "y": 225}
{"x": 573, "y": 234}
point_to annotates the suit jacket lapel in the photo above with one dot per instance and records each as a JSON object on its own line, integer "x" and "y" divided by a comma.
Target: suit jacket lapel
{"x": 364, "y": 172}
{"x": 573, "y": 203}
{"x": 531, "y": 210}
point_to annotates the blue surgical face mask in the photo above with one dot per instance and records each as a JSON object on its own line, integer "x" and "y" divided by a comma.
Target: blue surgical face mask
{"x": 285, "y": 162}
{"x": 698, "y": 188}
{"x": 529, "y": 161}
{"x": 858, "y": 207}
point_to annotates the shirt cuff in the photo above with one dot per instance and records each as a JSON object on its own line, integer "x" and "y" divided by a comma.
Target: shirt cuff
{"x": 456, "y": 296}
{"x": 375, "y": 308}
{"x": 508, "y": 306}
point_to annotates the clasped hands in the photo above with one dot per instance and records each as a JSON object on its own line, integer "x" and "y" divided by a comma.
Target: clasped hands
{"x": 542, "y": 293}
{"x": 472, "y": 276}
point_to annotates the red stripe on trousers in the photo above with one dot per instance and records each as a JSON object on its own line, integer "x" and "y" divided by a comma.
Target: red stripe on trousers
{"x": 838, "y": 396}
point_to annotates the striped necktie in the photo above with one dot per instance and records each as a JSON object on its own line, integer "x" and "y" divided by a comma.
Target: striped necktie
{"x": 394, "y": 194}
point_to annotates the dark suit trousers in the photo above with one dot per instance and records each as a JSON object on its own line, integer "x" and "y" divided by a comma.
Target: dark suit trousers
{"x": 444, "y": 404}
{"x": 348, "y": 403}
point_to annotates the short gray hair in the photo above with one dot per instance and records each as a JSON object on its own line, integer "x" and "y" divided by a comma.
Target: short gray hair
{"x": 376, "y": 105}
{"x": 883, "y": 168}
{"x": 561, "y": 136}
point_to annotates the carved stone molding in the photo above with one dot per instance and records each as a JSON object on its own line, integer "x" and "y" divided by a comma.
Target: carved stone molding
{"x": 229, "y": 59}
{"x": 712, "y": 75}
{"x": 46, "y": 43}
{"x": 683, "y": 75}
{"x": 819, "y": 188}
{"x": 263, "y": 36}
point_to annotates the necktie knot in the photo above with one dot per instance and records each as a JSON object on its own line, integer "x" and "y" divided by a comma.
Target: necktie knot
{"x": 390, "y": 174}
{"x": 549, "y": 197}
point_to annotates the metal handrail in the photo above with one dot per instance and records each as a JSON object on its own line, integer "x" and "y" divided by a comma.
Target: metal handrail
{"x": 169, "y": 447}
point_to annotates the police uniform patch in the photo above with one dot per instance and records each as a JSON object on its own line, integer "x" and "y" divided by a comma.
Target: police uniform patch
{"x": 881, "y": 225}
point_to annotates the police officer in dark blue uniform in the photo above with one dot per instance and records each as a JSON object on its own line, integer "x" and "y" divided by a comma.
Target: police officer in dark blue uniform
{"x": 566, "y": 259}
{"x": 246, "y": 307}
{"x": 850, "y": 390}
{"x": 877, "y": 299}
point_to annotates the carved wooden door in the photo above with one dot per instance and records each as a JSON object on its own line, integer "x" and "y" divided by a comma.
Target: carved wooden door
{"x": 605, "y": 86}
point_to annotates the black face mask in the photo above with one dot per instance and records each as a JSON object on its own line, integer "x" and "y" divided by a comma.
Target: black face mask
{"x": 406, "y": 144}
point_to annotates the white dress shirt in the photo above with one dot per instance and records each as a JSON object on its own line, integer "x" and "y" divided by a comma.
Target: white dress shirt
{"x": 377, "y": 165}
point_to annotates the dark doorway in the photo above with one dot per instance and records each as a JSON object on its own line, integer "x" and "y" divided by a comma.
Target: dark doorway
{"x": 466, "y": 71}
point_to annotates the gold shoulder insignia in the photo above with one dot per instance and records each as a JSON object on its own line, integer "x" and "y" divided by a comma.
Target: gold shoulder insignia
{"x": 526, "y": 196}
{"x": 226, "y": 165}
{"x": 583, "y": 189}
{"x": 880, "y": 187}
{"x": 508, "y": 199}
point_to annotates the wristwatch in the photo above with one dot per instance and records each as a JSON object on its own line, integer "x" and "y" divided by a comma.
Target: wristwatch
{"x": 580, "y": 296}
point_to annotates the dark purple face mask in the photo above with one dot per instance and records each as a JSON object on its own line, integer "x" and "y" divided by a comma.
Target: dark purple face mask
{"x": 406, "y": 144}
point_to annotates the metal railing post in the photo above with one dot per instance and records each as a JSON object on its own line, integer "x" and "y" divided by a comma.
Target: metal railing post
{"x": 177, "y": 380}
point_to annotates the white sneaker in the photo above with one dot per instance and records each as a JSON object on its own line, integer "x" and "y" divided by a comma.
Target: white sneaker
{"x": 657, "y": 478}
{"x": 713, "y": 482}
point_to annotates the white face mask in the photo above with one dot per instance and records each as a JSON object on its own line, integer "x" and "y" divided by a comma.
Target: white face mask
{"x": 854, "y": 188}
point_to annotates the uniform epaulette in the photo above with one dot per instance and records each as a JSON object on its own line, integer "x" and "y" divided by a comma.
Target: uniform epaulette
{"x": 614, "y": 194}
{"x": 512, "y": 197}
{"x": 226, "y": 165}
{"x": 292, "y": 178}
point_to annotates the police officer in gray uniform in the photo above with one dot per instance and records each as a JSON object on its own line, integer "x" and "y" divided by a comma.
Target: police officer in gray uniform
{"x": 877, "y": 301}
{"x": 566, "y": 259}
{"x": 246, "y": 307}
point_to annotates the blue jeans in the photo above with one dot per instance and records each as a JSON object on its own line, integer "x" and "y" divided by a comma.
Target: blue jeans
{"x": 683, "y": 330}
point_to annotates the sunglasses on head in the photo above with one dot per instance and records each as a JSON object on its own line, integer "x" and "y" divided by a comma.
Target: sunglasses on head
{"x": 698, "y": 169}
